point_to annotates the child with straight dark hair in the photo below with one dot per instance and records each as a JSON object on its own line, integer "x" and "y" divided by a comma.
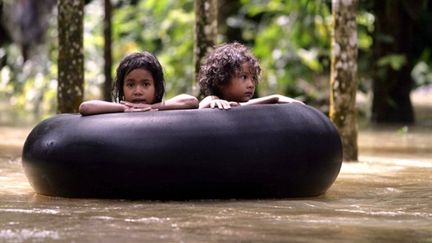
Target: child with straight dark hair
{"x": 139, "y": 86}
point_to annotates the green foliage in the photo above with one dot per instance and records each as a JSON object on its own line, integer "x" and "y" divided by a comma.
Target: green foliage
{"x": 164, "y": 28}
{"x": 291, "y": 39}
{"x": 395, "y": 61}
{"x": 365, "y": 21}
{"x": 422, "y": 72}
{"x": 403, "y": 130}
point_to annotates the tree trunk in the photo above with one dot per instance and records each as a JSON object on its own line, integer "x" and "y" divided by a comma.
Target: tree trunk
{"x": 230, "y": 8}
{"x": 206, "y": 29}
{"x": 343, "y": 75}
{"x": 107, "y": 88}
{"x": 394, "y": 34}
{"x": 71, "y": 56}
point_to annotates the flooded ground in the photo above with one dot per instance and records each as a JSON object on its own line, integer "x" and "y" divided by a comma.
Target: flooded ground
{"x": 385, "y": 197}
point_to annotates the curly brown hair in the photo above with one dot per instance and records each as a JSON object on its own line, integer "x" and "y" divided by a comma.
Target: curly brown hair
{"x": 143, "y": 60}
{"x": 222, "y": 64}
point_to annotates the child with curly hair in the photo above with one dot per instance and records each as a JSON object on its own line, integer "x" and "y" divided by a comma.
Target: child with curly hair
{"x": 229, "y": 77}
{"x": 139, "y": 86}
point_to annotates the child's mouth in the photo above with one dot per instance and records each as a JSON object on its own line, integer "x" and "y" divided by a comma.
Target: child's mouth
{"x": 139, "y": 101}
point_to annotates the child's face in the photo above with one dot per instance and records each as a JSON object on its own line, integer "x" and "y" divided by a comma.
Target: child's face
{"x": 241, "y": 87}
{"x": 139, "y": 87}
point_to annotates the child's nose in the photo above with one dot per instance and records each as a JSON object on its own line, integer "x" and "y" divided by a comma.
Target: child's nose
{"x": 139, "y": 90}
{"x": 250, "y": 83}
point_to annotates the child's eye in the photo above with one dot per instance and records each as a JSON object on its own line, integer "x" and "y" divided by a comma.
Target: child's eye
{"x": 130, "y": 85}
{"x": 147, "y": 84}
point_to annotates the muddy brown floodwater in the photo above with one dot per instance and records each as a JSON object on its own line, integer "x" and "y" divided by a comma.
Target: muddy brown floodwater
{"x": 385, "y": 197}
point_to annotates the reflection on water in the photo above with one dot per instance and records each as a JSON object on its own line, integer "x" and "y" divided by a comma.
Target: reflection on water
{"x": 385, "y": 197}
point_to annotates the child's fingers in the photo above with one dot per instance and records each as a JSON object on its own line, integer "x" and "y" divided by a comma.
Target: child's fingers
{"x": 141, "y": 106}
{"x": 128, "y": 104}
{"x": 133, "y": 109}
{"x": 226, "y": 105}
{"x": 234, "y": 104}
{"x": 216, "y": 103}
{"x": 222, "y": 104}
{"x": 143, "y": 109}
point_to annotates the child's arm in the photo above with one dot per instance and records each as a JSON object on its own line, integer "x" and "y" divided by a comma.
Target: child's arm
{"x": 93, "y": 107}
{"x": 271, "y": 99}
{"x": 214, "y": 101}
{"x": 182, "y": 101}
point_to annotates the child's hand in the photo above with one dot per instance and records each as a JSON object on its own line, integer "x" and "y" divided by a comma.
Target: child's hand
{"x": 223, "y": 104}
{"x": 132, "y": 107}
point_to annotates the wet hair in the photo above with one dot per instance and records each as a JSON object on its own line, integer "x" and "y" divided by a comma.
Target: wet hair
{"x": 139, "y": 60}
{"x": 222, "y": 64}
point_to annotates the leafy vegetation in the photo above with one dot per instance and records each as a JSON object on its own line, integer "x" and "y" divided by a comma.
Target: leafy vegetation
{"x": 291, "y": 39}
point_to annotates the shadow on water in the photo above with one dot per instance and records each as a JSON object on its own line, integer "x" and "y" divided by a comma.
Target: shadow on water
{"x": 385, "y": 197}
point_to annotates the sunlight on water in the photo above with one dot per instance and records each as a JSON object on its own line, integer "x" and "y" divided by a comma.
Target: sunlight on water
{"x": 32, "y": 211}
{"x": 28, "y": 234}
{"x": 379, "y": 165}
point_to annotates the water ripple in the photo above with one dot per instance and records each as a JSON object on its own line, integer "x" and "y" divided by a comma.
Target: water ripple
{"x": 25, "y": 234}
{"x": 31, "y": 211}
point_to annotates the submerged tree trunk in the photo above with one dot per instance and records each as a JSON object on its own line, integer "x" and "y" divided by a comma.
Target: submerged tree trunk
{"x": 343, "y": 75}
{"x": 206, "y": 29}
{"x": 71, "y": 56}
{"x": 393, "y": 35}
{"x": 107, "y": 51}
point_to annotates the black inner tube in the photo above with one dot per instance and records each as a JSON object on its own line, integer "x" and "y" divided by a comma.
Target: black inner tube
{"x": 262, "y": 151}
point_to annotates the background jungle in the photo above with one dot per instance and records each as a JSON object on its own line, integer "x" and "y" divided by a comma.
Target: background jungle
{"x": 291, "y": 39}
